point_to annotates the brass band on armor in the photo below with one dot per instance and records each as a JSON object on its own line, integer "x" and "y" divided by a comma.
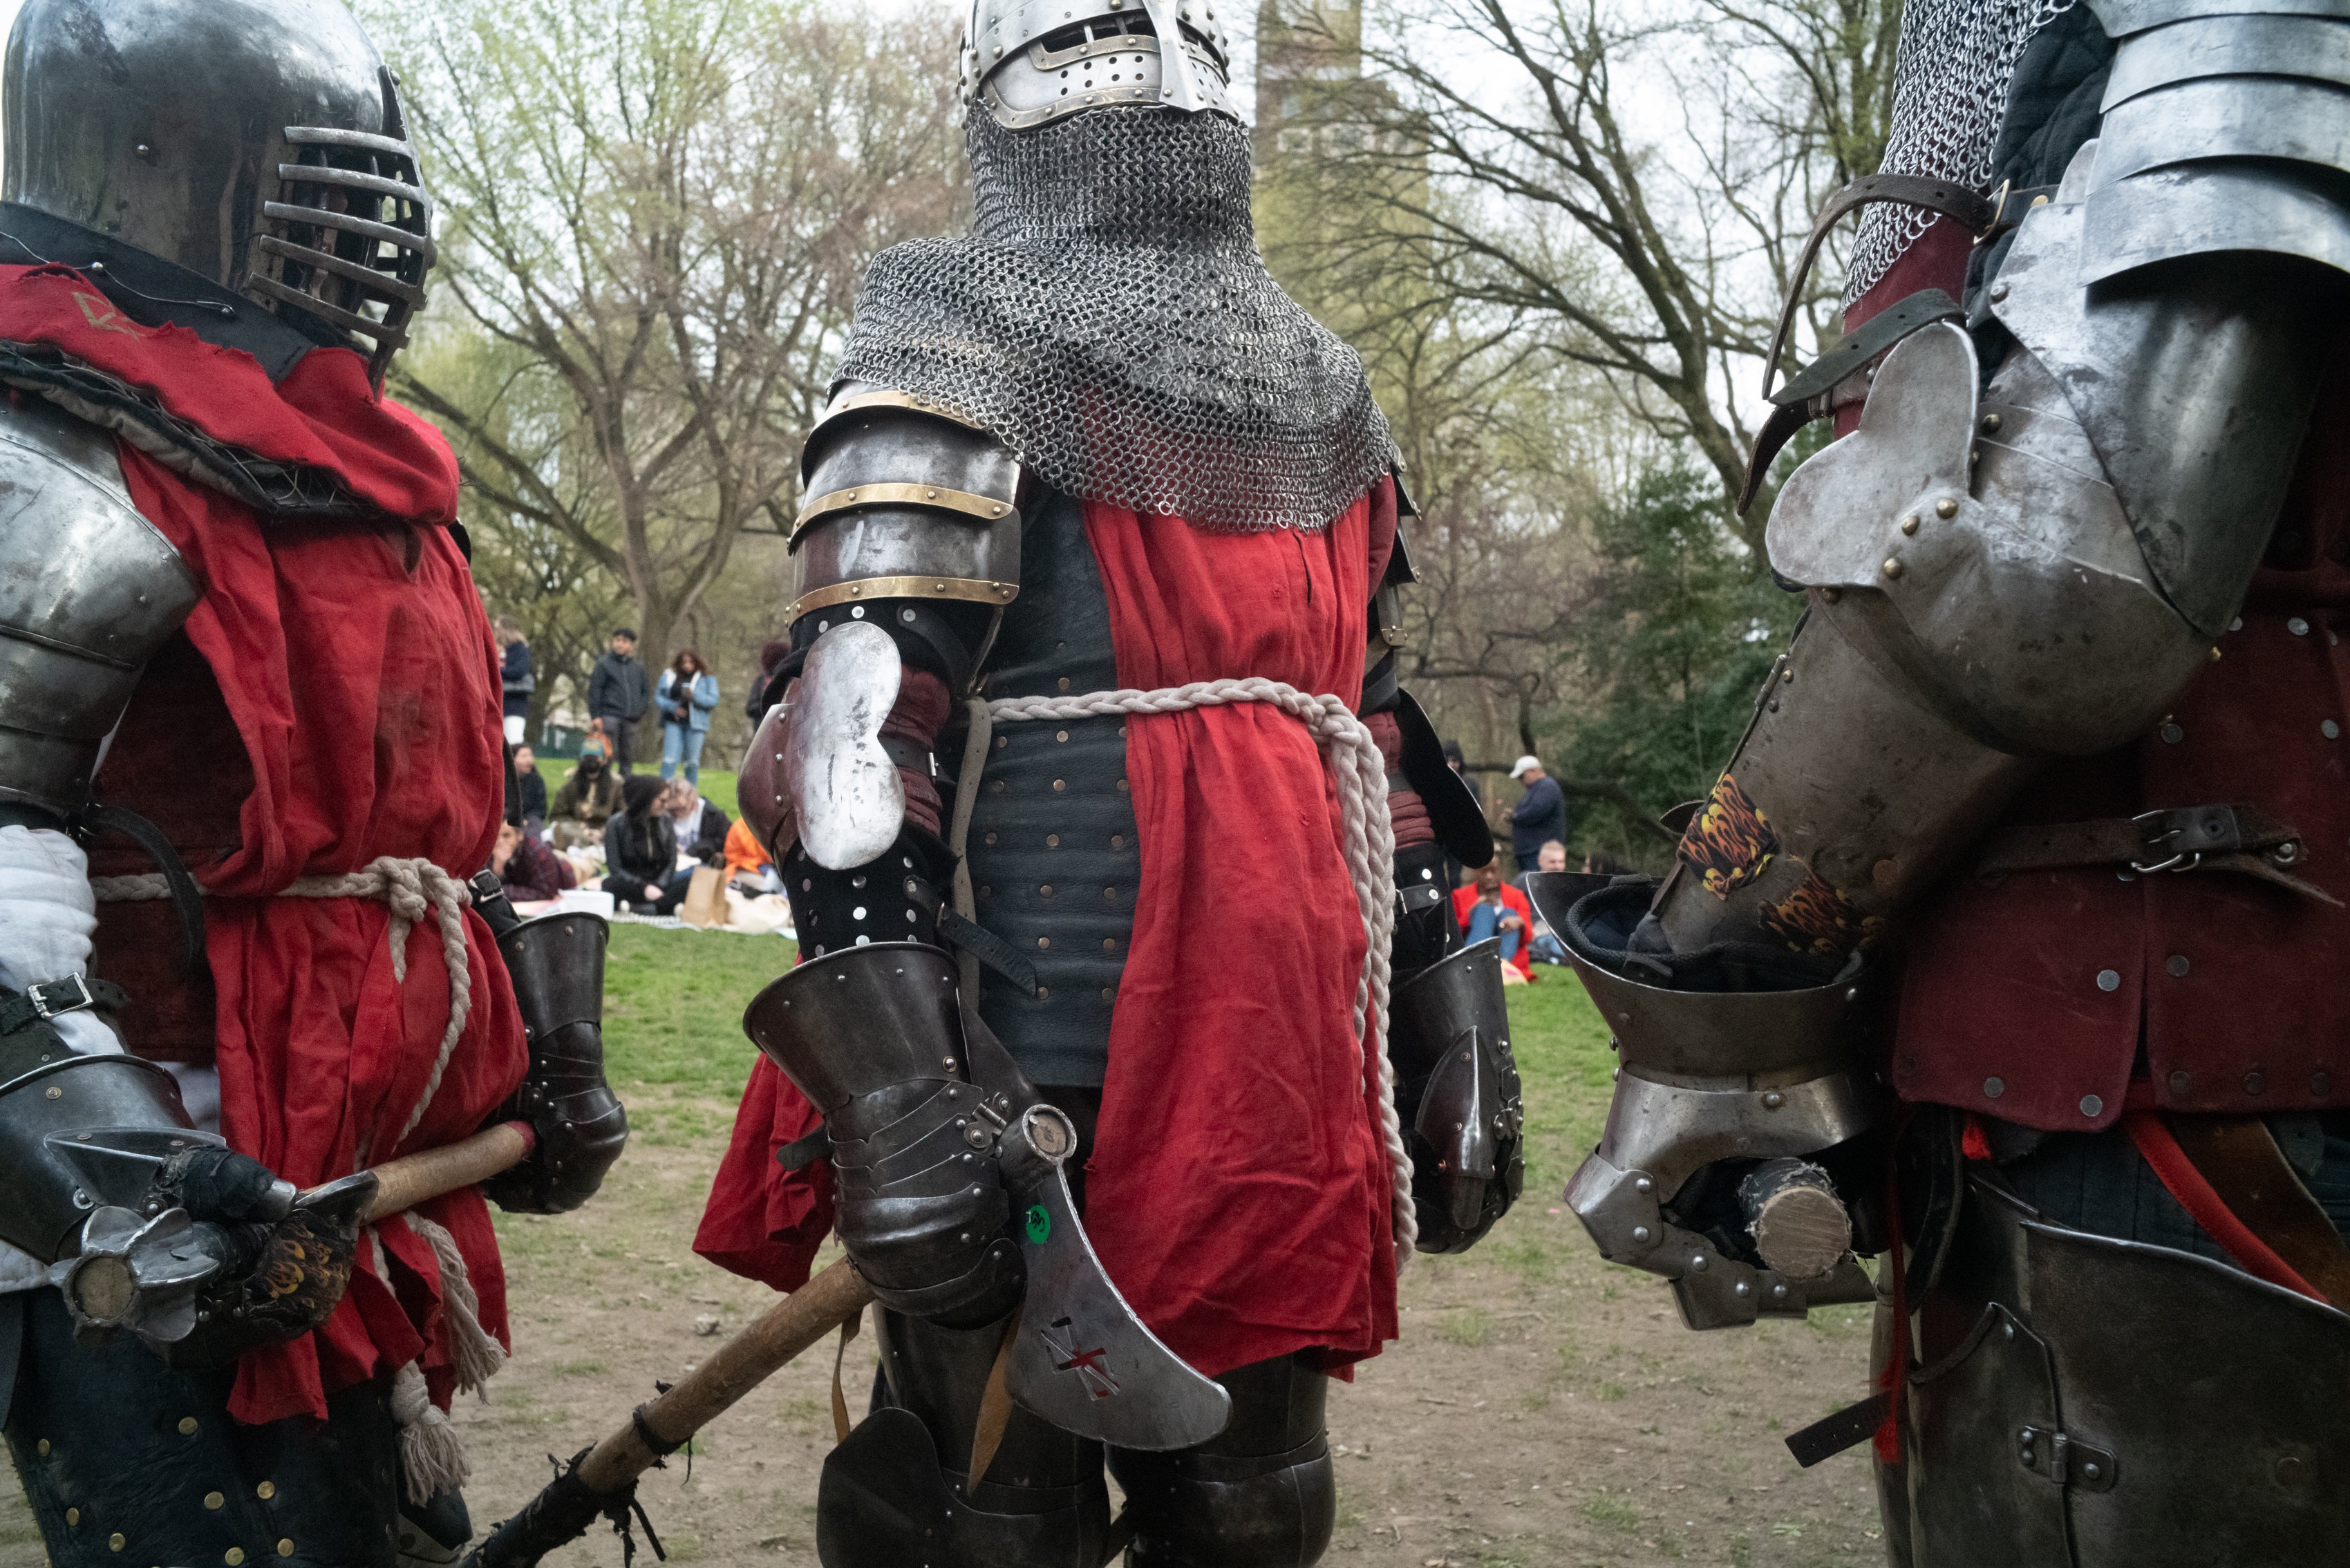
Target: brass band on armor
{"x": 907, "y": 502}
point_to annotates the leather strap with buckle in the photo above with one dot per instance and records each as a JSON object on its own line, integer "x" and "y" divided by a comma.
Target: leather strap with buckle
{"x": 2221, "y": 838}
{"x": 56, "y": 998}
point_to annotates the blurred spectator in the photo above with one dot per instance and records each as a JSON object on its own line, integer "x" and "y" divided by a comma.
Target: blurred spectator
{"x": 619, "y": 694}
{"x": 686, "y": 698}
{"x": 529, "y": 803}
{"x": 532, "y": 873}
{"x": 1595, "y": 864}
{"x": 641, "y": 851}
{"x": 515, "y": 678}
{"x": 700, "y": 826}
{"x": 771, "y": 654}
{"x": 1540, "y": 815}
{"x": 1490, "y": 907}
{"x": 1546, "y": 947}
{"x": 586, "y": 802}
{"x": 749, "y": 867}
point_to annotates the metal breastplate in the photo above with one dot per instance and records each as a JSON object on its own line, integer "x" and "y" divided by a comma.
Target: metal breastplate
{"x": 1053, "y": 853}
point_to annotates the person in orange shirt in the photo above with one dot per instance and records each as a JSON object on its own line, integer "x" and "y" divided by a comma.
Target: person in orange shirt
{"x": 749, "y": 866}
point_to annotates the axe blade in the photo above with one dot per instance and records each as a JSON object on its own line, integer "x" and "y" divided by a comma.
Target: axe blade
{"x": 1082, "y": 1360}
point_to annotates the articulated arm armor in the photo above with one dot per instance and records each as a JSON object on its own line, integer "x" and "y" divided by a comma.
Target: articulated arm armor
{"x": 904, "y": 554}
{"x": 152, "y": 1226}
{"x": 2002, "y": 568}
{"x": 1456, "y": 1080}
{"x": 556, "y": 964}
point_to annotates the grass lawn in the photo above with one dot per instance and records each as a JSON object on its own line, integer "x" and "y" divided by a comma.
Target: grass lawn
{"x": 717, "y": 784}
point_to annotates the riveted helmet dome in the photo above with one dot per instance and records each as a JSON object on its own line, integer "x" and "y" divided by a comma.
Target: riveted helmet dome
{"x": 1028, "y": 62}
{"x": 258, "y": 143}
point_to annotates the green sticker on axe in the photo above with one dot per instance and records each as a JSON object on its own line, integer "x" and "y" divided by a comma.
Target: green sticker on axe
{"x": 1040, "y": 1224}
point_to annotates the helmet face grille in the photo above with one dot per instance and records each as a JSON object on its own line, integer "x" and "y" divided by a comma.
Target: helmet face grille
{"x": 349, "y": 237}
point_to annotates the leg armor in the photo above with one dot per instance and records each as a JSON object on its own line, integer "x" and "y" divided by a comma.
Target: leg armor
{"x": 125, "y": 1459}
{"x": 1261, "y": 1495}
{"x": 897, "y": 1493}
{"x": 2091, "y": 1403}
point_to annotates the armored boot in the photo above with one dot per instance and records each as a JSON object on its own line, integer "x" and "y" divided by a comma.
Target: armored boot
{"x": 1260, "y": 1495}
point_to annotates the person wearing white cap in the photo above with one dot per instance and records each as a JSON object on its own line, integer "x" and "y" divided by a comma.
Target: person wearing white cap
{"x": 1540, "y": 815}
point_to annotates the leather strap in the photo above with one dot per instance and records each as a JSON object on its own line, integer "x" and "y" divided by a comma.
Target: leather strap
{"x": 2240, "y": 1157}
{"x": 2224, "y": 838}
{"x": 1943, "y": 196}
{"x": 74, "y": 993}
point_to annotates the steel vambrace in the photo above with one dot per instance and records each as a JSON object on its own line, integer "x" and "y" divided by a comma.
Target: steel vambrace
{"x": 873, "y": 1036}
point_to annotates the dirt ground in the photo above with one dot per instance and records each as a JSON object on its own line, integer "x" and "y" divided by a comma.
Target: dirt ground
{"x": 1541, "y": 1410}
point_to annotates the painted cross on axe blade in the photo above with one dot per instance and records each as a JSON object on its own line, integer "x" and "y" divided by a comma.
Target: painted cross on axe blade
{"x": 1086, "y": 1363}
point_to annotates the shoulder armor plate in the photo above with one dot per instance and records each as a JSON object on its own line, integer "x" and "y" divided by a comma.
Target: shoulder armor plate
{"x": 2223, "y": 131}
{"x": 88, "y": 589}
{"x": 905, "y": 499}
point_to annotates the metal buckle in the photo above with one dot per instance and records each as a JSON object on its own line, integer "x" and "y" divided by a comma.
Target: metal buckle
{"x": 80, "y": 996}
{"x": 2209, "y": 828}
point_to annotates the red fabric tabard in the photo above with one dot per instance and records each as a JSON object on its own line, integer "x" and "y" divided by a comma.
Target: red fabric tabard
{"x": 361, "y": 675}
{"x": 323, "y": 416}
{"x": 359, "y": 672}
{"x": 1238, "y": 1188}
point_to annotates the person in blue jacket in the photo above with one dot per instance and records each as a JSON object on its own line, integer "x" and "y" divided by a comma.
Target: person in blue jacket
{"x": 686, "y": 697}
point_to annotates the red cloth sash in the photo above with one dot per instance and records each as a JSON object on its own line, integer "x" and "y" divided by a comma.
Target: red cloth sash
{"x": 1238, "y": 1191}
{"x": 358, "y": 669}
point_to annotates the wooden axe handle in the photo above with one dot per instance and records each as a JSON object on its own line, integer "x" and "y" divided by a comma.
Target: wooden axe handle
{"x": 772, "y": 1340}
{"x": 401, "y": 1184}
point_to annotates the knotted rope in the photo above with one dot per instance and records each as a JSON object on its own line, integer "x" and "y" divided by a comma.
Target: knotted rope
{"x": 1360, "y": 775}
{"x": 413, "y": 888}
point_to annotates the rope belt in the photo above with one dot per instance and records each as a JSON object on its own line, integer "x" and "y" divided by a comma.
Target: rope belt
{"x": 1360, "y": 774}
{"x": 413, "y": 888}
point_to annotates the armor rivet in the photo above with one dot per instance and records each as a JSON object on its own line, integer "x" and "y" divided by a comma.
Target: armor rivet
{"x": 2237, "y": 624}
{"x": 1044, "y": 991}
{"x": 2007, "y": 1331}
{"x": 234, "y": 1556}
{"x": 863, "y": 941}
{"x": 115, "y": 1542}
{"x": 265, "y": 1491}
{"x": 2092, "y": 1106}
{"x": 2330, "y": 730}
{"x": 1641, "y": 1184}
{"x": 1910, "y": 523}
{"x": 857, "y": 913}
{"x": 285, "y": 1546}
{"x": 1044, "y": 942}
{"x": 1060, "y": 734}
{"x": 55, "y": 1093}
{"x": 1998, "y": 292}
{"x": 1892, "y": 566}
{"x": 1046, "y": 890}
{"x": 1778, "y": 1292}
{"x": 946, "y": 1062}
{"x": 2172, "y": 734}
{"x": 2177, "y": 965}
{"x": 2298, "y": 626}
{"x": 1946, "y": 508}
{"x": 2292, "y": 1470}
{"x": 1993, "y": 1089}
{"x": 1831, "y": 595}
{"x": 43, "y": 1445}
{"x": 2109, "y": 980}
{"x": 1065, "y": 683}
{"x": 2091, "y": 1471}
{"x": 2254, "y": 1084}
{"x": 214, "y": 1500}
{"x": 1990, "y": 423}
{"x": 1774, "y": 1100}
{"x": 1697, "y": 1263}
{"x": 1640, "y": 1233}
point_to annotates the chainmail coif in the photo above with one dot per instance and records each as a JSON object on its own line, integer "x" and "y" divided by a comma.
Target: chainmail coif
{"x": 1110, "y": 321}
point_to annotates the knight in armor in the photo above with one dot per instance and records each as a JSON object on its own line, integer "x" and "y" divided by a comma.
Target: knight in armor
{"x": 2007, "y": 947}
{"x": 1098, "y": 554}
{"x": 249, "y": 753}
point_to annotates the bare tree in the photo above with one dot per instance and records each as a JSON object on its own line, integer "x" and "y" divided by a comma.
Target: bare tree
{"x": 1655, "y": 257}
{"x": 656, "y": 212}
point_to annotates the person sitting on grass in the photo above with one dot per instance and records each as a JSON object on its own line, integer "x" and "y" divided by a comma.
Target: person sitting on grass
{"x": 750, "y": 869}
{"x": 1487, "y": 906}
{"x": 641, "y": 851}
{"x": 700, "y": 826}
{"x": 530, "y": 785}
{"x": 584, "y": 803}
{"x": 532, "y": 873}
{"x": 1544, "y": 946}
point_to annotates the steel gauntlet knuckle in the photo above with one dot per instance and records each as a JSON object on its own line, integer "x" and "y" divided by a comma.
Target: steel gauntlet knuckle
{"x": 1457, "y": 1092}
{"x": 556, "y": 964}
